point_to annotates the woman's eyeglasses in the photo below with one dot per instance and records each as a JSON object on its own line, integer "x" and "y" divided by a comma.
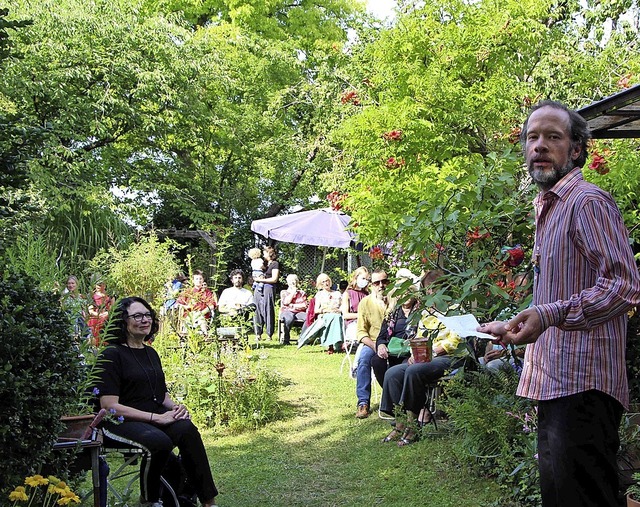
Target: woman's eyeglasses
{"x": 139, "y": 316}
{"x": 384, "y": 281}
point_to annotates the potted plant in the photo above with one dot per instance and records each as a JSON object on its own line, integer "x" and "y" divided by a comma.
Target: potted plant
{"x": 633, "y": 492}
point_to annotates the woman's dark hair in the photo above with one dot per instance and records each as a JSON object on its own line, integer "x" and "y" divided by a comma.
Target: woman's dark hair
{"x": 117, "y": 327}
{"x": 273, "y": 255}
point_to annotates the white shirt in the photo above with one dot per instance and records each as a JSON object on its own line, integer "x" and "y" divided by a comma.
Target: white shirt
{"x": 233, "y": 298}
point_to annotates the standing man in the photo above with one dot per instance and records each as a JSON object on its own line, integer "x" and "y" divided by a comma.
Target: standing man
{"x": 585, "y": 282}
{"x": 371, "y": 312}
{"x": 235, "y": 298}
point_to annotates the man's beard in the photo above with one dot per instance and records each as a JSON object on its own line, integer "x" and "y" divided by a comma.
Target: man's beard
{"x": 546, "y": 179}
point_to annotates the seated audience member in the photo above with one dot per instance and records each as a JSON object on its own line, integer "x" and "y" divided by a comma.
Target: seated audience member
{"x": 327, "y": 300}
{"x": 356, "y": 291}
{"x": 293, "y": 306}
{"x": 405, "y": 385}
{"x": 371, "y": 312}
{"x": 132, "y": 385}
{"x": 397, "y": 324}
{"x": 496, "y": 357}
{"x": 236, "y": 298}
{"x": 327, "y": 323}
{"x": 198, "y": 302}
{"x": 174, "y": 287}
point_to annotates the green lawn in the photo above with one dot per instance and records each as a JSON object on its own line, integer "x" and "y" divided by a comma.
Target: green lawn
{"x": 320, "y": 455}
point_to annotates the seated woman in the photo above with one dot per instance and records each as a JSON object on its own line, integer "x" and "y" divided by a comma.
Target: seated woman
{"x": 328, "y": 318}
{"x": 293, "y": 306}
{"x": 395, "y": 325}
{"x": 405, "y": 385}
{"x": 132, "y": 384}
{"x": 356, "y": 291}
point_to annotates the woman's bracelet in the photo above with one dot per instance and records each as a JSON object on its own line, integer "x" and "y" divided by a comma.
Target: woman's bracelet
{"x": 151, "y": 418}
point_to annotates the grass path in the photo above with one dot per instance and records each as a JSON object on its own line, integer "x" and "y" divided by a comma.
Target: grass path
{"x": 320, "y": 455}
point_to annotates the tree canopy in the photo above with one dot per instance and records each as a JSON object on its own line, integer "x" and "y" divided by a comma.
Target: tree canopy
{"x": 206, "y": 115}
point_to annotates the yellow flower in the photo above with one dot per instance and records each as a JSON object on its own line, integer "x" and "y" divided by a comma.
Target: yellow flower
{"x": 59, "y": 488}
{"x": 53, "y": 479}
{"x": 18, "y": 495}
{"x": 36, "y": 480}
{"x": 68, "y": 498}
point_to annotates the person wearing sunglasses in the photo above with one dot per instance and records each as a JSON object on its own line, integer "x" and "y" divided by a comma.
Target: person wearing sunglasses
{"x": 132, "y": 386}
{"x": 371, "y": 312}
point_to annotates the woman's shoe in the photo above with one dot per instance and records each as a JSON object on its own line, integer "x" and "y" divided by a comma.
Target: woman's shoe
{"x": 394, "y": 434}
{"x": 408, "y": 437}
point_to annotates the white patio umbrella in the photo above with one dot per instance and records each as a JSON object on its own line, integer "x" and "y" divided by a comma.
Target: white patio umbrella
{"x": 323, "y": 227}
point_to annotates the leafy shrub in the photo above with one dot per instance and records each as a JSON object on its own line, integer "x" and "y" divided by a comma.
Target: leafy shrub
{"x": 498, "y": 431}
{"x": 31, "y": 254}
{"x": 221, "y": 384}
{"x": 633, "y": 358}
{"x": 140, "y": 270}
{"x": 40, "y": 369}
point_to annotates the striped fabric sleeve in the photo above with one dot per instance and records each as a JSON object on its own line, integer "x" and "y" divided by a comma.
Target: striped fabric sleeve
{"x": 551, "y": 314}
{"x": 602, "y": 240}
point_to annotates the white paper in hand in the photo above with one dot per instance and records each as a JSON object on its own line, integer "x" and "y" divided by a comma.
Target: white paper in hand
{"x": 464, "y": 325}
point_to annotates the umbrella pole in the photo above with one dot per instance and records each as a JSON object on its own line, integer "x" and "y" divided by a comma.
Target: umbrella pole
{"x": 324, "y": 254}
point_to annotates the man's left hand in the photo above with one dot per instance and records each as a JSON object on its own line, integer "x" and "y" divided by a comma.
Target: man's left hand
{"x": 525, "y": 327}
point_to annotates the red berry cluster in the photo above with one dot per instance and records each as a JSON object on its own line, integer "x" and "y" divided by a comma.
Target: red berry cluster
{"x": 392, "y": 135}
{"x": 336, "y": 200}
{"x": 394, "y": 163}
{"x": 515, "y": 256}
{"x": 624, "y": 81}
{"x": 509, "y": 288}
{"x": 514, "y": 135}
{"x": 376, "y": 253}
{"x": 474, "y": 236}
{"x": 350, "y": 97}
{"x": 599, "y": 164}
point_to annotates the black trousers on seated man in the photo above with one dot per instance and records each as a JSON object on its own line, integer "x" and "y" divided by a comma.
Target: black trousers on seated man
{"x": 577, "y": 445}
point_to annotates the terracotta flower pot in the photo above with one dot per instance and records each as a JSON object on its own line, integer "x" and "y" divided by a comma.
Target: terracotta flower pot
{"x": 421, "y": 350}
{"x": 76, "y": 425}
{"x": 632, "y": 503}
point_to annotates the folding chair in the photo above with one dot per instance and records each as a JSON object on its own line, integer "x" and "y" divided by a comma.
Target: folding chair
{"x": 295, "y": 323}
{"x": 434, "y": 389}
{"x": 121, "y": 480}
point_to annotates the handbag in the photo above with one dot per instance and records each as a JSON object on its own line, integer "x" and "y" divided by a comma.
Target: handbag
{"x": 398, "y": 347}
